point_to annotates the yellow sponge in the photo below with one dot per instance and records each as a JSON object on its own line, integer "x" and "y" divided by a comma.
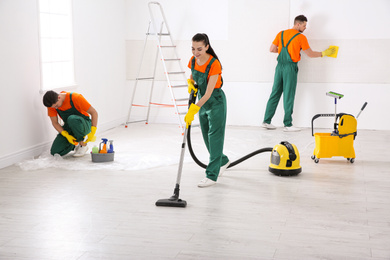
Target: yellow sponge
{"x": 334, "y": 55}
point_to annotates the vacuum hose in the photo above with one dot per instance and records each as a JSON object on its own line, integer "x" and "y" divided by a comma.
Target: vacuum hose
{"x": 262, "y": 150}
{"x": 191, "y": 100}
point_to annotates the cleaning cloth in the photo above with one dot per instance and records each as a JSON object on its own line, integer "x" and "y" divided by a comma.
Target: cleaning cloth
{"x": 334, "y": 55}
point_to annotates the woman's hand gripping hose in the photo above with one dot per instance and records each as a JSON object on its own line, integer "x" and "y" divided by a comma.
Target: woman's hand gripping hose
{"x": 191, "y": 86}
{"x": 193, "y": 109}
{"x": 191, "y": 114}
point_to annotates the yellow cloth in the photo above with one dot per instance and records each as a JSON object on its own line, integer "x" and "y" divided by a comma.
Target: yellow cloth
{"x": 330, "y": 52}
{"x": 334, "y": 55}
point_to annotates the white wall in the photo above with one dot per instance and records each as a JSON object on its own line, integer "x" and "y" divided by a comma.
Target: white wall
{"x": 241, "y": 36}
{"x": 109, "y": 37}
{"x": 100, "y": 66}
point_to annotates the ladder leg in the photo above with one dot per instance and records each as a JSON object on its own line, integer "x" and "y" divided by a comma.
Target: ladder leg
{"x": 138, "y": 74}
{"x": 151, "y": 90}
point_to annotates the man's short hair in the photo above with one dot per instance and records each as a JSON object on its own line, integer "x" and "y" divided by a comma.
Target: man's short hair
{"x": 300, "y": 19}
{"x": 50, "y": 98}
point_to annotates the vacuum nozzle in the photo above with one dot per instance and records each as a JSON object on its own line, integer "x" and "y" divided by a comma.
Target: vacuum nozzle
{"x": 172, "y": 202}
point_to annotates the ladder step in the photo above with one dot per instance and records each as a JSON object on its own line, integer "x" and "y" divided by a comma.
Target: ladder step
{"x": 181, "y": 99}
{"x": 179, "y": 86}
{"x": 176, "y": 72}
{"x": 171, "y": 59}
{"x": 144, "y": 78}
{"x": 163, "y": 34}
{"x": 167, "y": 46}
{"x": 137, "y": 121}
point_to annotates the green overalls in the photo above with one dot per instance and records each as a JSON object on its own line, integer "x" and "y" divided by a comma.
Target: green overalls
{"x": 212, "y": 118}
{"x": 77, "y": 125}
{"x": 286, "y": 74}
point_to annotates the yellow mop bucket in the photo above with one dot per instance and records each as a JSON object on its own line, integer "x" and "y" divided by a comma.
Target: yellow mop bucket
{"x": 340, "y": 141}
{"x": 330, "y": 144}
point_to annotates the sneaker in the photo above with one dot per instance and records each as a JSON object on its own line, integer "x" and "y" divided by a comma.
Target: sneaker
{"x": 268, "y": 126}
{"x": 223, "y": 168}
{"x": 80, "y": 151}
{"x": 76, "y": 148}
{"x": 206, "y": 182}
{"x": 291, "y": 129}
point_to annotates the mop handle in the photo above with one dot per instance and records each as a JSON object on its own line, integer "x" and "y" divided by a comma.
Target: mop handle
{"x": 361, "y": 110}
{"x": 335, "y": 110}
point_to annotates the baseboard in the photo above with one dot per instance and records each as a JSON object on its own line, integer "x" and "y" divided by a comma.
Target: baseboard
{"x": 24, "y": 154}
{"x": 36, "y": 150}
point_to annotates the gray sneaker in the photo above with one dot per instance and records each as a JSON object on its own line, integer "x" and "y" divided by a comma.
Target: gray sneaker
{"x": 268, "y": 126}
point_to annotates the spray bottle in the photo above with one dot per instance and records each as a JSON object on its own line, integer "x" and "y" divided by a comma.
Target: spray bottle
{"x": 111, "y": 149}
{"x": 104, "y": 143}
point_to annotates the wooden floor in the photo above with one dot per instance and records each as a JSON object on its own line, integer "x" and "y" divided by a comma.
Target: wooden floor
{"x": 332, "y": 210}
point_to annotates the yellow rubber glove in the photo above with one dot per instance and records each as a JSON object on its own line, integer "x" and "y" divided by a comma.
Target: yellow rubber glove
{"x": 191, "y": 86}
{"x": 191, "y": 114}
{"x": 70, "y": 138}
{"x": 91, "y": 136}
{"x": 329, "y": 51}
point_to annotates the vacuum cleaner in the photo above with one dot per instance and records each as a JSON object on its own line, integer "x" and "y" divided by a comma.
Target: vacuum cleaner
{"x": 284, "y": 158}
{"x": 284, "y": 162}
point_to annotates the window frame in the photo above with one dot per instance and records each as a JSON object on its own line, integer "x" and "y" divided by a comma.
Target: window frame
{"x": 63, "y": 85}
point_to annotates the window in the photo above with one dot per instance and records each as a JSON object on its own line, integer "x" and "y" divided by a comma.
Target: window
{"x": 56, "y": 42}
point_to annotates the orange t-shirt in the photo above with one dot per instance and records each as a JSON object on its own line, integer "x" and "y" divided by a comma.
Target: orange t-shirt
{"x": 215, "y": 69}
{"x": 79, "y": 102}
{"x": 298, "y": 43}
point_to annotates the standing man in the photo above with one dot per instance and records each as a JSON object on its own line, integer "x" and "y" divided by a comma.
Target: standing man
{"x": 75, "y": 111}
{"x": 288, "y": 44}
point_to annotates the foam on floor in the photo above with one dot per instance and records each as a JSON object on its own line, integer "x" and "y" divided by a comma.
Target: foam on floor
{"x": 142, "y": 146}
{"x": 137, "y": 147}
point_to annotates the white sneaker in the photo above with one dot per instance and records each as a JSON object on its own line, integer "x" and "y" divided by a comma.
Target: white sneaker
{"x": 76, "y": 148}
{"x": 80, "y": 151}
{"x": 268, "y": 126}
{"x": 206, "y": 182}
{"x": 223, "y": 168}
{"x": 291, "y": 129}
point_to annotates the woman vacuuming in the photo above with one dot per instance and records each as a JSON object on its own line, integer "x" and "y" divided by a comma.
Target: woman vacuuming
{"x": 206, "y": 72}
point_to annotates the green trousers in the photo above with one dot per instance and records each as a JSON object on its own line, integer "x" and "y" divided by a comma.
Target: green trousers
{"x": 212, "y": 118}
{"x": 78, "y": 127}
{"x": 285, "y": 82}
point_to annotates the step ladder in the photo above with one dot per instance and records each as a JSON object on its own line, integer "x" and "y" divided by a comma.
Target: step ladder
{"x": 160, "y": 29}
